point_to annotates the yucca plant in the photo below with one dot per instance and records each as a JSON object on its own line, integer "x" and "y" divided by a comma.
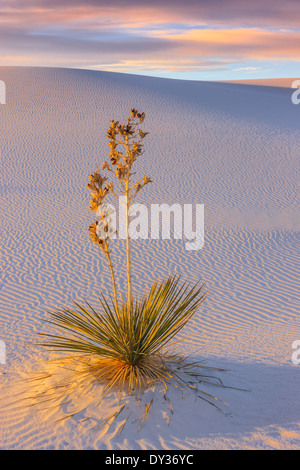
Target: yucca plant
{"x": 126, "y": 337}
{"x": 128, "y": 345}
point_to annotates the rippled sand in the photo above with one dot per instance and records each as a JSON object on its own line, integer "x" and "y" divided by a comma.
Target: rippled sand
{"x": 233, "y": 148}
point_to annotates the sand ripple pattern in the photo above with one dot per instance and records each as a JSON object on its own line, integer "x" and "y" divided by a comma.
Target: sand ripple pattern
{"x": 234, "y": 149}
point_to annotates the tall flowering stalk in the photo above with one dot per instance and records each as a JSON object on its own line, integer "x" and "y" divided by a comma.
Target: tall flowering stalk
{"x": 125, "y": 142}
{"x": 124, "y": 347}
{"x": 101, "y": 231}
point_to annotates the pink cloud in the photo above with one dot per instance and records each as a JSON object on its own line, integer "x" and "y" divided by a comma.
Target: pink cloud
{"x": 168, "y": 35}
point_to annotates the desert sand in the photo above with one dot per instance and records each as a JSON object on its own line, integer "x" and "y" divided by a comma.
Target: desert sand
{"x": 274, "y": 82}
{"x": 233, "y": 148}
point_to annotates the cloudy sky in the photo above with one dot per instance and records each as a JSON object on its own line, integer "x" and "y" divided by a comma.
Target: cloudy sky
{"x": 188, "y": 39}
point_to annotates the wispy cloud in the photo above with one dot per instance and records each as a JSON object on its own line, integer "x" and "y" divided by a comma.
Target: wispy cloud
{"x": 247, "y": 69}
{"x": 169, "y": 36}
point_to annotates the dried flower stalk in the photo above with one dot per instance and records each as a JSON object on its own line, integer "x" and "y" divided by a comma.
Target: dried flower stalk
{"x": 125, "y": 142}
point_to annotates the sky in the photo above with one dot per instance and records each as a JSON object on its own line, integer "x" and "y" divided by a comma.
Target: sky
{"x": 184, "y": 39}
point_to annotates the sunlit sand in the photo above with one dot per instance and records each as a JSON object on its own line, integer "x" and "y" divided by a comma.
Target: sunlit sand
{"x": 233, "y": 148}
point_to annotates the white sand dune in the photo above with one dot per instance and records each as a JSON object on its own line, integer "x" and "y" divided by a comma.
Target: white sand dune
{"x": 233, "y": 148}
{"x": 274, "y": 82}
